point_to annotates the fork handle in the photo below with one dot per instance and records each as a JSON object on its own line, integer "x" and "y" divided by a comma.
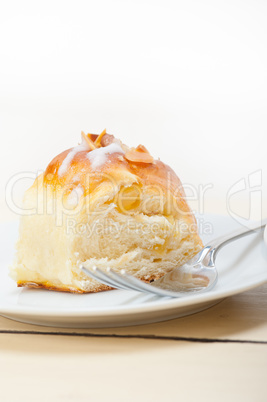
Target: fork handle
{"x": 237, "y": 234}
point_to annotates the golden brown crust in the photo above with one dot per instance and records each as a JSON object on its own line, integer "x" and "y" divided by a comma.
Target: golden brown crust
{"x": 48, "y": 286}
{"x": 60, "y": 288}
{"x": 154, "y": 173}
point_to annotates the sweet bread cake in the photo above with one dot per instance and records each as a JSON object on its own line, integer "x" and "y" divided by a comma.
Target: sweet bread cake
{"x": 103, "y": 204}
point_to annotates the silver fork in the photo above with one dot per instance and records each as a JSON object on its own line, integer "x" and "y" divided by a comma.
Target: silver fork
{"x": 198, "y": 275}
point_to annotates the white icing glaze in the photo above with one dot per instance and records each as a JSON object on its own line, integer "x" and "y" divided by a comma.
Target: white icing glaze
{"x": 98, "y": 156}
{"x": 75, "y": 195}
{"x": 83, "y": 146}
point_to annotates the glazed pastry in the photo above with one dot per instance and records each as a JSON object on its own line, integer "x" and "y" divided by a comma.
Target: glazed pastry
{"x": 103, "y": 204}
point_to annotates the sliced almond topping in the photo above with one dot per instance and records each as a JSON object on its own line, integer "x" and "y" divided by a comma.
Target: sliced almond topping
{"x": 107, "y": 139}
{"x": 140, "y": 157}
{"x": 99, "y": 138}
{"x": 89, "y": 141}
{"x": 92, "y": 137}
{"x": 142, "y": 148}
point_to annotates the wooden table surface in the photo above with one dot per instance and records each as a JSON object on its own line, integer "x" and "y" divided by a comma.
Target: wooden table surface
{"x": 217, "y": 355}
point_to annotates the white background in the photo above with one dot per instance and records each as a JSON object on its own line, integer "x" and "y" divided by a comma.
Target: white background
{"x": 188, "y": 79}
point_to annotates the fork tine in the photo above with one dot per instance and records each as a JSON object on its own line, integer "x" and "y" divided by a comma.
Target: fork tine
{"x": 121, "y": 279}
{"x": 125, "y": 282}
{"x": 117, "y": 282}
{"x": 138, "y": 285}
{"x": 99, "y": 278}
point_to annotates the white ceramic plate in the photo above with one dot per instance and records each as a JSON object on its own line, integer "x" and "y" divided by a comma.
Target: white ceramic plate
{"x": 242, "y": 265}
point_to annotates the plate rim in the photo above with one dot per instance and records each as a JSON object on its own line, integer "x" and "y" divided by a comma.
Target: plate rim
{"x": 123, "y": 310}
